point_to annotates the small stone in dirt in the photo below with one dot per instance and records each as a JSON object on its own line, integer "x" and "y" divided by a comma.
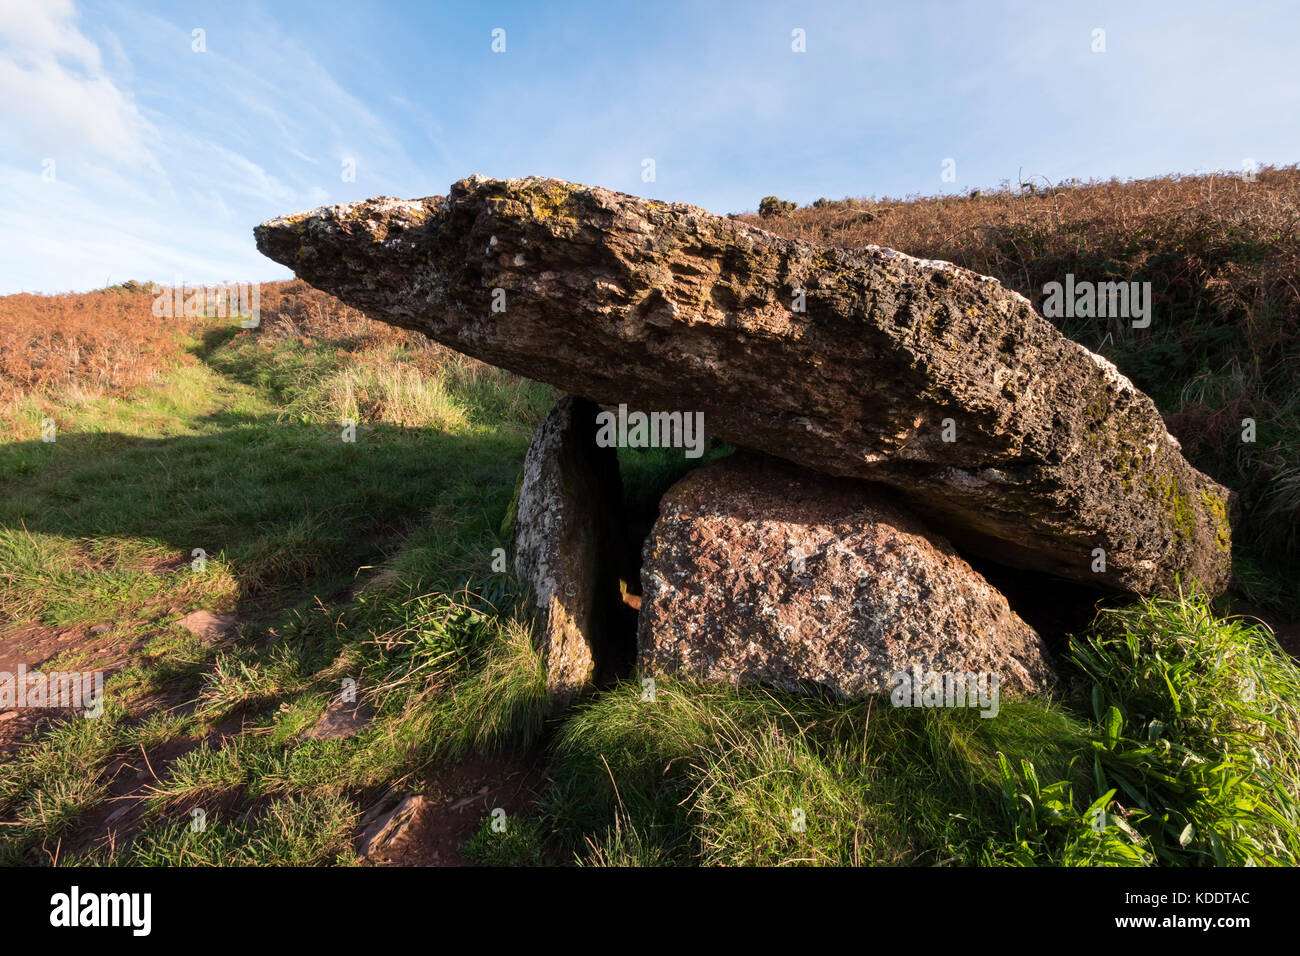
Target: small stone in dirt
{"x": 119, "y": 813}
{"x": 392, "y": 833}
{"x": 341, "y": 719}
{"x": 206, "y": 625}
{"x": 466, "y": 801}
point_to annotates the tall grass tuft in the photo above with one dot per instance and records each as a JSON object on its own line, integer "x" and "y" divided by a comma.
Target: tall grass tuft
{"x": 1177, "y": 745}
{"x": 1200, "y": 731}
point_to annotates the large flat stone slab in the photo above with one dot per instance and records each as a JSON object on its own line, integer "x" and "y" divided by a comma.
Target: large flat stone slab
{"x": 1018, "y": 443}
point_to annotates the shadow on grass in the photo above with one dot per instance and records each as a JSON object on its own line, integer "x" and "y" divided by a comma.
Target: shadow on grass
{"x": 287, "y": 507}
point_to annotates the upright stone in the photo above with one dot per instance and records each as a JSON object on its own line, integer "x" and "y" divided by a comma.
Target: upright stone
{"x": 566, "y": 534}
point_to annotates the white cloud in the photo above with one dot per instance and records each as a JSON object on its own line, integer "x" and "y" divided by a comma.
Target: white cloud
{"x": 59, "y": 102}
{"x": 95, "y": 244}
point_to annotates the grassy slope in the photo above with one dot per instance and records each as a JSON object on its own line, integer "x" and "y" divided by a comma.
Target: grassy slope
{"x": 1175, "y": 742}
{"x": 232, "y": 456}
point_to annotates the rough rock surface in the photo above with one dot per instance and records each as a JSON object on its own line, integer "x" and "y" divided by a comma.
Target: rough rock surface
{"x": 340, "y": 719}
{"x": 391, "y": 834}
{"x": 760, "y": 571}
{"x": 667, "y": 306}
{"x": 566, "y": 529}
{"x": 206, "y": 625}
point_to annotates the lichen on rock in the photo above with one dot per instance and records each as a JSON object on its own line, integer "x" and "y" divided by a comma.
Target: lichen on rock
{"x": 664, "y": 305}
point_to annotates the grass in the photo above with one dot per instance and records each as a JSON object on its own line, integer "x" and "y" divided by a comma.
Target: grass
{"x": 240, "y": 452}
{"x": 1158, "y": 757}
{"x": 368, "y": 563}
{"x": 519, "y": 842}
{"x": 741, "y": 777}
{"x": 1201, "y": 739}
{"x": 293, "y": 831}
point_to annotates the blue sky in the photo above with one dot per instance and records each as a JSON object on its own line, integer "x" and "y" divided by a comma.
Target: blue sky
{"x": 126, "y": 154}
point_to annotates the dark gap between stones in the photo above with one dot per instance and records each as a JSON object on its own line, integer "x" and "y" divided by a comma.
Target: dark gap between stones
{"x": 642, "y": 477}
{"x": 1052, "y": 606}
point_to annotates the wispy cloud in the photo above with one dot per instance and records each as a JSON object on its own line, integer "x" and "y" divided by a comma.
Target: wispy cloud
{"x": 55, "y": 90}
{"x": 126, "y": 153}
{"x": 112, "y": 167}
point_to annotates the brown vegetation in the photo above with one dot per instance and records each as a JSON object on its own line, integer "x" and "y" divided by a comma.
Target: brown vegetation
{"x": 105, "y": 341}
{"x": 109, "y": 341}
{"x": 1223, "y": 258}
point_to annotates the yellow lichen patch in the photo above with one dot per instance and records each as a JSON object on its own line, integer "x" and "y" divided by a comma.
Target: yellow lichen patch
{"x": 1167, "y": 492}
{"x": 548, "y": 200}
{"x": 1217, "y": 509}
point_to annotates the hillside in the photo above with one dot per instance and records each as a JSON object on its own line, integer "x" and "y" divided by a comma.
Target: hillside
{"x": 373, "y": 561}
{"x": 1223, "y": 259}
